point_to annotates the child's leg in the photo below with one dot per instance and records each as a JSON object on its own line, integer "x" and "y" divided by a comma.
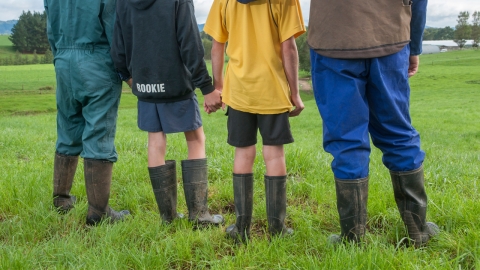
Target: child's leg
{"x": 244, "y": 158}
{"x": 195, "y": 143}
{"x": 274, "y": 158}
{"x": 157, "y": 144}
{"x": 195, "y": 181}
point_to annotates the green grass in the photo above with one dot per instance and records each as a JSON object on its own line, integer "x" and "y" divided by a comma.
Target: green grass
{"x": 444, "y": 109}
{"x": 4, "y": 41}
{"x": 6, "y": 48}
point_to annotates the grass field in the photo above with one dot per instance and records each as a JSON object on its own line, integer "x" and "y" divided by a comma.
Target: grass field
{"x": 444, "y": 106}
{"x": 6, "y": 47}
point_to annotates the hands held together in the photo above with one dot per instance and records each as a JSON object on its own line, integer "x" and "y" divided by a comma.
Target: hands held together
{"x": 213, "y": 101}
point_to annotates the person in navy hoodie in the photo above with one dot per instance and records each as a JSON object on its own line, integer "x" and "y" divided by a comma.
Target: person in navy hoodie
{"x": 158, "y": 51}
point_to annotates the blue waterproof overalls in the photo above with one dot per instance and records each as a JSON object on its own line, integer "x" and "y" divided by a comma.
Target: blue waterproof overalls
{"x": 88, "y": 88}
{"x": 358, "y": 97}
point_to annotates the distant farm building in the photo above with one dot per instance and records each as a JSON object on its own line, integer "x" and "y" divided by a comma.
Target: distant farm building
{"x": 442, "y": 45}
{"x": 429, "y": 49}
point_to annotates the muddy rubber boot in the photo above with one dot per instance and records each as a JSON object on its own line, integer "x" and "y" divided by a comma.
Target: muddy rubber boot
{"x": 276, "y": 199}
{"x": 352, "y": 196}
{"x": 195, "y": 186}
{"x": 64, "y": 168}
{"x": 411, "y": 199}
{"x": 98, "y": 178}
{"x": 243, "y": 200}
{"x": 164, "y": 184}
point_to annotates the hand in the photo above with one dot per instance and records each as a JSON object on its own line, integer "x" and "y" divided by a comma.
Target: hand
{"x": 298, "y": 103}
{"x": 213, "y": 101}
{"x": 413, "y": 65}
{"x": 129, "y": 82}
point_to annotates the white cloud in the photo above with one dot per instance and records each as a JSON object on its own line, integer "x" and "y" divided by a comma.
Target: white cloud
{"x": 12, "y": 9}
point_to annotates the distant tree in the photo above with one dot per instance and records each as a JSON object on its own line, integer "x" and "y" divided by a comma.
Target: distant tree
{"x": 446, "y": 33}
{"x": 463, "y": 29}
{"x": 303, "y": 52}
{"x": 35, "y": 57}
{"x": 30, "y": 32}
{"x": 204, "y": 35}
{"x": 18, "y": 58}
{"x": 476, "y": 29}
{"x": 429, "y": 33}
{"x": 207, "y": 46}
{"x": 48, "y": 57}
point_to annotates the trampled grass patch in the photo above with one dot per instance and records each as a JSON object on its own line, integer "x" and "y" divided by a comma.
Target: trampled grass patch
{"x": 444, "y": 109}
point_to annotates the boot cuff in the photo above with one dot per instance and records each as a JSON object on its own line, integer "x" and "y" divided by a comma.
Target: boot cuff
{"x": 351, "y": 181}
{"x": 242, "y": 175}
{"x": 194, "y": 163}
{"x": 407, "y": 172}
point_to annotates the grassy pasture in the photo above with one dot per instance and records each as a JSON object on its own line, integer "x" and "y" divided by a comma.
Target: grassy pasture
{"x": 445, "y": 96}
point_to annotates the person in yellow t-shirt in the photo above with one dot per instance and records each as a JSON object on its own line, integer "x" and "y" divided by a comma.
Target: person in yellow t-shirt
{"x": 261, "y": 91}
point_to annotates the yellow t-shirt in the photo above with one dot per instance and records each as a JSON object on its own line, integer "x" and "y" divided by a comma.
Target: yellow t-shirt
{"x": 255, "y": 80}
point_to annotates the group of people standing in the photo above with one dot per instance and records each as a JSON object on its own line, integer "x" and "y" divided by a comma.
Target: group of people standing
{"x": 362, "y": 54}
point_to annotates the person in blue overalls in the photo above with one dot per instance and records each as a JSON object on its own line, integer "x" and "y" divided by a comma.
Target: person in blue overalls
{"x": 88, "y": 94}
{"x": 362, "y": 54}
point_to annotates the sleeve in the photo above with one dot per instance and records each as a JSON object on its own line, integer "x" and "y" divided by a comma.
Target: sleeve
{"x": 108, "y": 18}
{"x": 215, "y": 25}
{"x": 51, "y": 39}
{"x": 290, "y": 20}
{"x": 191, "y": 47}
{"x": 117, "y": 52}
{"x": 417, "y": 25}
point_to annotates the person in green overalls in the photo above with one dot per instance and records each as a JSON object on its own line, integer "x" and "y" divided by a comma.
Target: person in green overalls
{"x": 88, "y": 94}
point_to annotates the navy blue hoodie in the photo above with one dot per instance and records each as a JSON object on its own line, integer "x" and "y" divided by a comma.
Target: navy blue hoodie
{"x": 158, "y": 44}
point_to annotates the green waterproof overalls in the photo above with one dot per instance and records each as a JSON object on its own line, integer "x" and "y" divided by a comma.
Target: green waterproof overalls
{"x": 88, "y": 88}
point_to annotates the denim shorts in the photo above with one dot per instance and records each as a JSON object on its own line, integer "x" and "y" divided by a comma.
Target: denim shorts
{"x": 243, "y": 128}
{"x": 172, "y": 117}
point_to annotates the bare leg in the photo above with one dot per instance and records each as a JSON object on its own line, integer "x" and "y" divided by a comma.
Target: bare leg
{"x": 157, "y": 144}
{"x": 274, "y": 157}
{"x": 244, "y": 158}
{"x": 195, "y": 143}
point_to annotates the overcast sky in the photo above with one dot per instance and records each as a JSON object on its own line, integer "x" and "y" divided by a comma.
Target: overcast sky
{"x": 440, "y": 13}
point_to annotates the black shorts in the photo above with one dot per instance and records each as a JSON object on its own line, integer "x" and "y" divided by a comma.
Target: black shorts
{"x": 242, "y": 128}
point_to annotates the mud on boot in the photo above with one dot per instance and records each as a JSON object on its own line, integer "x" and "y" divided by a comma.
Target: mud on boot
{"x": 98, "y": 178}
{"x": 411, "y": 199}
{"x": 63, "y": 173}
{"x": 276, "y": 200}
{"x": 352, "y": 197}
{"x": 243, "y": 200}
{"x": 195, "y": 186}
{"x": 164, "y": 185}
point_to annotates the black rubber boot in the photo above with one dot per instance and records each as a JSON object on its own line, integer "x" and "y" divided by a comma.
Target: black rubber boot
{"x": 411, "y": 199}
{"x": 164, "y": 184}
{"x": 243, "y": 199}
{"x": 352, "y": 196}
{"x": 195, "y": 186}
{"x": 98, "y": 178}
{"x": 276, "y": 199}
{"x": 63, "y": 172}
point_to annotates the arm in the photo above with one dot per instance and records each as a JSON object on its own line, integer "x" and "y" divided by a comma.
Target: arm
{"x": 50, "y": 37}
{"x": 192, "y": 53}
{"x": 218, "y": 59}
{"x": 108, "y": 19}
{"x": 290, "y": 65}
{"x": 417, "y": 26}
{"x": 118, "y": 54}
